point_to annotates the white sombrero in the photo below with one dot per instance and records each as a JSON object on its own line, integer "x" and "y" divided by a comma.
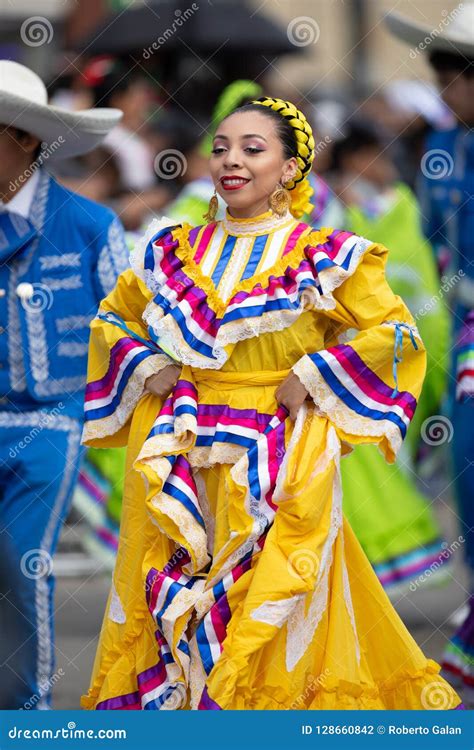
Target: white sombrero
{"x": 24, "y": 105}
{"x": 454, "y": 32}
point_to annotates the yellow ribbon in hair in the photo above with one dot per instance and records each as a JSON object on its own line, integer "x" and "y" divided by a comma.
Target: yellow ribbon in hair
{"x": 300, "y": 189}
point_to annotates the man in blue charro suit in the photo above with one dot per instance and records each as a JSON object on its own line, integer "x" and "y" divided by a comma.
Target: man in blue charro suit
{"x": 59, "y": 255}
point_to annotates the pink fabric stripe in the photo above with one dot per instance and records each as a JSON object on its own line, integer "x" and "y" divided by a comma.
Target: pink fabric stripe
{"x": 111, "y": 374}
{"x": 204, "y": 241}
{"x": 218, "y": 625}
{"x": 338, "y": 239}
{"x": 273, "y": 465}
{"x": 358, "y": 378}
{"x": 294, "y": 237}
{"x": 152, "y": 683}
{"x": 214, "y": 420}
{"x": 184, "y": 473}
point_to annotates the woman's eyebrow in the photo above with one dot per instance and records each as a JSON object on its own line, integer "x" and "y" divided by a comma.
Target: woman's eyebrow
{"x": 249, "y": 135}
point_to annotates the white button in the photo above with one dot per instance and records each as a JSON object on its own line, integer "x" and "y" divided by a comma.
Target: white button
{"x": 2, "y": 292}
{"x": 25, "y": 290}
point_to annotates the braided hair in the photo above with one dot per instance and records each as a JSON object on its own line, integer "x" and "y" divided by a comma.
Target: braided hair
{"x": 296, "y": 136}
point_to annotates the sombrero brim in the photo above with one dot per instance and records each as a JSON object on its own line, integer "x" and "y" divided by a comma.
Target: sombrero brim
{"x": 65, "y": 133}
{"x": 417, "y": 34}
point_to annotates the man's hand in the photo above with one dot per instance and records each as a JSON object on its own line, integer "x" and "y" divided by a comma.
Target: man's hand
{"x": 291, "y": 394}
{"x": 164, "y": 381}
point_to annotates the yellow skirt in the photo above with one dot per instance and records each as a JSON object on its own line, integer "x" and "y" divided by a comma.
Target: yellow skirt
{"x": 301, "y": 622}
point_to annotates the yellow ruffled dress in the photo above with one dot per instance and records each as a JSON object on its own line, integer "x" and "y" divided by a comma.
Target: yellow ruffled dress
{"x": 238, "y": 582}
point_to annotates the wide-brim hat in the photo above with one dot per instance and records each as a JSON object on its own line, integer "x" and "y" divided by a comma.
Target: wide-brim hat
{"x": 64, "y": 133}
{"x": 453, "y": 33}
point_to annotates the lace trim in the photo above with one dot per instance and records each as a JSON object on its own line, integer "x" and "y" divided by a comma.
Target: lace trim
{"x": 100, "y": 428}
{"x": 182, "y": 604}
{"x": 116, "y": 612}
{"x": 208, "y": 516}
{"x": 349, "y": 607}
{"x": 263, "y": 224}
{"x": 193, "y": 534}
{"x": 276, "y": 613}
{"x": 197, "y": 676}
{"x": 218, "y": 453}
{"x": 339, "y": 414}
{"x": 303, "y": 621}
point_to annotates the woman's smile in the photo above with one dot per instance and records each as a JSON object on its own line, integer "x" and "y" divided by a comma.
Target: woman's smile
{"x": 233, "y": 182}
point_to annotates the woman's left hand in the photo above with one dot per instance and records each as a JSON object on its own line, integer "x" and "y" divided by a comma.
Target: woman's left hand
{"x": 291, "y": 394}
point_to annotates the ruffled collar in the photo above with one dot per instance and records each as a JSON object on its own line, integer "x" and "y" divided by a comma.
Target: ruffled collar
{"x": 265, "y": 223}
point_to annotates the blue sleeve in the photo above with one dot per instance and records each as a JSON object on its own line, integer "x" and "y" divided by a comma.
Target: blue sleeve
{"x": 111, "y": 256}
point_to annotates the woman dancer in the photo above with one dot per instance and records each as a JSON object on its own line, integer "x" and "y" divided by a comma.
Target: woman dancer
{"x": 239, "y": 360}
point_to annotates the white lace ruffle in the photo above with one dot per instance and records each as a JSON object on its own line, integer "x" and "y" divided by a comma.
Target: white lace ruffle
{"x": 341, "y": 415}
{"x": 95, "y": 429}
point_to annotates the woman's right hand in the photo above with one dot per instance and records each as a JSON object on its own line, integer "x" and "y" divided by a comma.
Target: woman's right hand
{"x": 162, "y": 383}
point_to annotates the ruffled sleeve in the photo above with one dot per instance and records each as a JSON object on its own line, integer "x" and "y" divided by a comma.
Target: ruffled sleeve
{"x": 368, "y": 379}
{"x": 121, "y": 358}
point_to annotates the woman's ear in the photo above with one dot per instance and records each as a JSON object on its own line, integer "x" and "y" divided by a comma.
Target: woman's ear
{"x": 289, "y": 170}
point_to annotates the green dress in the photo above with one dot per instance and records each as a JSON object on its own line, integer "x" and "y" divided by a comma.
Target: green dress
{"x": 392, "y": 519}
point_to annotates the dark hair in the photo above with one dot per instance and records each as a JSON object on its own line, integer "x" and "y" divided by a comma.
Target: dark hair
{"x": 117, "y": 79}
{"x": 283, "y": 128}
{"x": 445, "y": 61}
{"x": 359, "y": 136}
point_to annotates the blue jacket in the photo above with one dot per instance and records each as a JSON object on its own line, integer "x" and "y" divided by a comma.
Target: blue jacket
{"x": 447, "y": 205}
{"x": 68, "y": 258}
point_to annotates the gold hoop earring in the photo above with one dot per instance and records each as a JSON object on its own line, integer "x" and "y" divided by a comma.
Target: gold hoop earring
{"x": 280, "y": 200}
{"x": 211, "y": 213}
